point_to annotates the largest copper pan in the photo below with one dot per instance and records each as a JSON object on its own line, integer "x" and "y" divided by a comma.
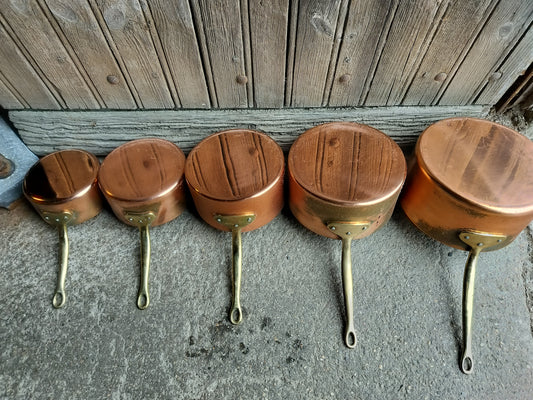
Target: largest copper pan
{"x": 470, "y": 186}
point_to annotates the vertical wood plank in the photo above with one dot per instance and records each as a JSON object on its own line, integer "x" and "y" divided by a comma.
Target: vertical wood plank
{"x": 461, "y": 23}
{"x": 19, "y": 74}
{"x": 175, "y": 27}
{"x": 291, "y": 46}
{"x": 7, "y": 98}
{"x": 410, "y": 33}
{"x": 131, "y": 35}
{"x": 83, "y": 33}
{"x": 317, "y": 22}
{"x": 364, "y": 35}
{"x": 503, "y": 29}
{"x": 221, "y": 22}
{"x": 33, "y": 32}
{"x": 268, "y": 29}
{"x": 515, "y": 65}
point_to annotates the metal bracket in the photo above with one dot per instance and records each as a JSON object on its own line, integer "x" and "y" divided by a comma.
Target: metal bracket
{"x": 481, "y": 240}
{"x": 59, "y": 218}
{"x": 140, "y": 218}
{"x": 235, "y": 221}
{"x": 349, "y": 230}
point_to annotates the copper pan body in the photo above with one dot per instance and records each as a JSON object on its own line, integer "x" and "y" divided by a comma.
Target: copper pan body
{"x": 65, "y": 181}
{"x": 236, "y": 172}
{"x": 344, "y": 171}
{"x": 144, "y": 175}
{"x": 470, "y": 175}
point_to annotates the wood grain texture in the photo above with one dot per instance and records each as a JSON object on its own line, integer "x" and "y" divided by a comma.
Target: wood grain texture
{"x": 268, "y": 32}
{"x": 101, "y": 132}
{"x": 81, "y": 31}
{"x": 514, "y": 66}
{"x": 131, "y": 34}
{"x": 19, "y": 75}
{"x": 234, "y": 165}
{"x": 32, "y": 31}
{"x": 363, "y": 38}
{"x": 175, "y": 28}
{"x": 346, "y": 162}
{"x": 8, "y": 99}
{"x": 315, "y": 36}
{"x": 456, "y": 32}
{"x": 412, "y": 28}
{"x": 503, "y": 29}
{"x": 225, "y": 49}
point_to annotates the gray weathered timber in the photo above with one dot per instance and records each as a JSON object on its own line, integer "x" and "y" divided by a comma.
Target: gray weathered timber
{"x": 362, "y": 41}
{"x": 8, "y": 99}
{"x": 412, "y": 28}
{"x": 175, "y": 27}
{"x": 506, "y": 74}
{"x": 131, "y": 35}
{"x": 20, "y": 75}
{"x": 101, "y": 132}
{"x": 268, "y": 42}
{"x": 317, "y": 22}
{"x": 220, "y": 22}
{"x": 81, "y": 31}
{"x": 507, "y": 23}
{"x": 32, "y": 31}
{"x": 460, "y": 25}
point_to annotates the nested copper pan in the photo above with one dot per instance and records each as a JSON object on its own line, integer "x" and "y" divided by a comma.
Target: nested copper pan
{"x": 62, "y": 187}
{"x": 236, "y": 181}
{"x": 143, "y": 182}
{"x": 470, "y": 186}
{"x": 344, "y": 180}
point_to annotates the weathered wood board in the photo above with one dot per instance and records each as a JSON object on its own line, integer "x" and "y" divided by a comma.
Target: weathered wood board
{"x": 101, "y": 132}
{"x": 229, "y": 54}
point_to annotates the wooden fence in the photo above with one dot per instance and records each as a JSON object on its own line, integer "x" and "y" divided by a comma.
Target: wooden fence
{"x": 160, "y": 54}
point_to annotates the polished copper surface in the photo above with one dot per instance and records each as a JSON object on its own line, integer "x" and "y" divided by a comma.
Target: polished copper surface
{"x": 65, "y": 181}
{"x": 236, "y": 172}
{"x": 144, "y": 175}
{"x": 470, "y": 174}
{"x": 343, "y": 171}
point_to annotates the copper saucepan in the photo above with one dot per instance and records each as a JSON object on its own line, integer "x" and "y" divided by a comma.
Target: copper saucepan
{"x": 62, "y": 187}
{"x": 143, "y": 182}
{"x": 236, "y": 181}
{"x": 470, "y": 186}
{"x": 344, "y": 180}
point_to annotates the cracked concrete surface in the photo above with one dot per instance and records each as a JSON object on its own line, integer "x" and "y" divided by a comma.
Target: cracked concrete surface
{"x": 290, "y": 346}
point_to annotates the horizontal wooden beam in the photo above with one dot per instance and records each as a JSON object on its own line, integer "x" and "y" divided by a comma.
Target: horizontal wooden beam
{"x": 102, "y": 131}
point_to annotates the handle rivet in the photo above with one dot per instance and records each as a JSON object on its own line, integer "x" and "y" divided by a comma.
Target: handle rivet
{"x": 249, "y": 219}
{"x": 332, "y": 228}
{"x": 47, "y": 218}
{"x": 499, "y": 240}
{"x": 219, "y": 220}
{"x": 480, "y": 244}
{"x": 348, "y": 233}
{"x": 365, "y": 228}
{"x": 467, "y": 237}
{"x": 236, "y": 225}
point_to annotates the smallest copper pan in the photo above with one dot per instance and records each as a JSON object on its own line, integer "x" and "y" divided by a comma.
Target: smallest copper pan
{"x": 143, "y": 182}
{"x": 236, "y": 181}
{"x": 63, "y": 188}
{"x": 344, "y": 180}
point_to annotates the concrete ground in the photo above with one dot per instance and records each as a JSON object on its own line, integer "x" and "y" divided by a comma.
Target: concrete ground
{"x": 290, "y": 346}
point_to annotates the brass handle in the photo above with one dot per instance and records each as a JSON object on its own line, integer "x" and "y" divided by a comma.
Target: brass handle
{"x": 235, "y": 314}
{"x": 467, "y": 361}
{"x": 349, "y": 338}
{"x": 143, "y": 298}
{"x": 60, "y": 296}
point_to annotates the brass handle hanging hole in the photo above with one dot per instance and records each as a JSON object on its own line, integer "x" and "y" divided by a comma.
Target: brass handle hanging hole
{"x": 59, "y": 299}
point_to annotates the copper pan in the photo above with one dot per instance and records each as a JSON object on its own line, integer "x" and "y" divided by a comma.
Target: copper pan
{"x": 143, "y": 182}
{"x": 470, "y": 186}
{"x": 62, "y": 187}
{"x": 344, "y": 180}
{"x": 236, "y": 181}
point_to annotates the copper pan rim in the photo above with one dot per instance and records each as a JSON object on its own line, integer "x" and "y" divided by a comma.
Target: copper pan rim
{"x": 515, "y": 211}
{"x": 172, "y": 188}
